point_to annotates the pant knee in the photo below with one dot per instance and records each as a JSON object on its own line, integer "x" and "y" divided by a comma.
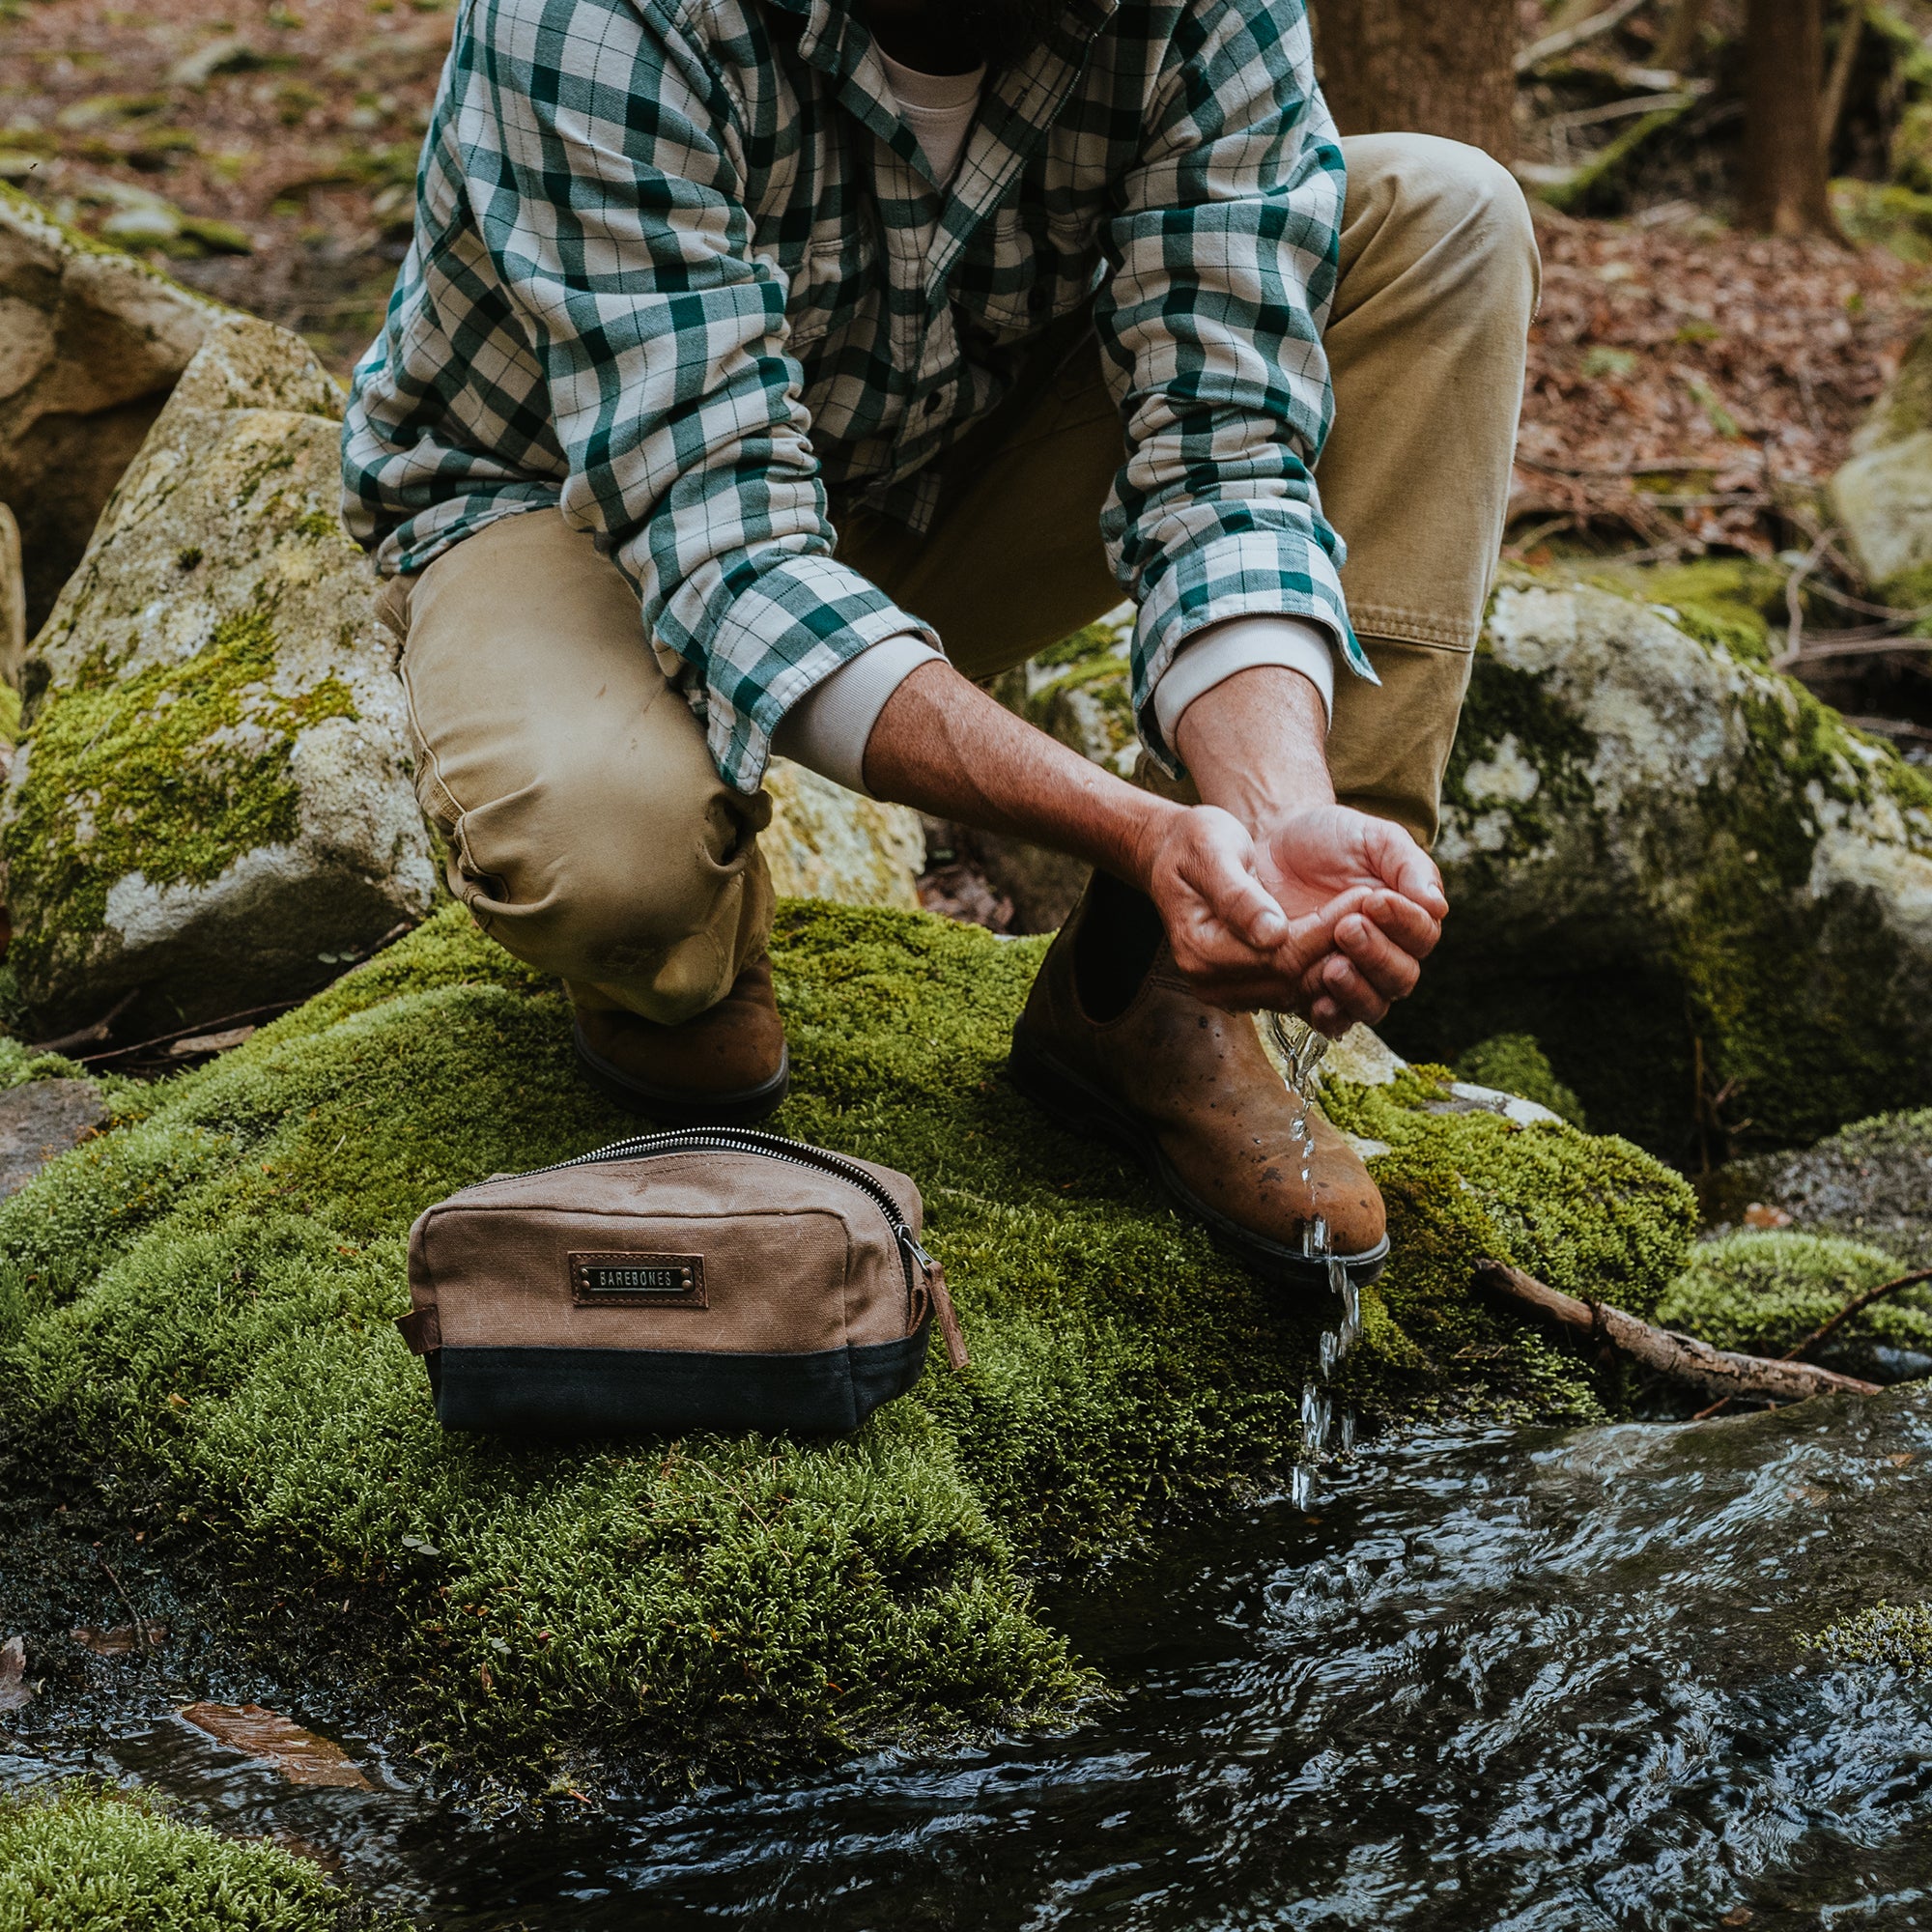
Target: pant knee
{"x": 644, "y": 896}
{"x": 1451, "y": 204}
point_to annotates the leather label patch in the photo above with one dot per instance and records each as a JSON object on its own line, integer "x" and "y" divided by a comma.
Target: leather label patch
{"x": 637, "y": 1281}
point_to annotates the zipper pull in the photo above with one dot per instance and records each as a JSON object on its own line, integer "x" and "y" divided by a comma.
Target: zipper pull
{"x": 942, "y": 1309}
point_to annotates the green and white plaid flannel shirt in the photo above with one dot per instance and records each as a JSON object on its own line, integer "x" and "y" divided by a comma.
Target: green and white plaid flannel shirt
{"x": 668, "y": 275}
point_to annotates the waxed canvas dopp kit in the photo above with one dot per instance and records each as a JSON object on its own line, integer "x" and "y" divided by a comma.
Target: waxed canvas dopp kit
{"x": 708, "y": 1278}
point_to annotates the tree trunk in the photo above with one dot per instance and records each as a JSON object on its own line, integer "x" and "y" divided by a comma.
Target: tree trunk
{"x": 1428, "y": 67}
{"x": 1784, "y": 184}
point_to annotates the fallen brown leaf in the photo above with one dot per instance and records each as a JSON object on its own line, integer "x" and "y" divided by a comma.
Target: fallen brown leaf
{"x": 301, "y": 1756}
{"x": 15, "y": 1690}
{"x": 1758, "y": 1215}
{"x": 120, "y": 1639}
{"x": 209, "y": 1043}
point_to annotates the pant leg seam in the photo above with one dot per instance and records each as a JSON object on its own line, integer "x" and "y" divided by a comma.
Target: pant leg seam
{"x": 1412, "y": 627}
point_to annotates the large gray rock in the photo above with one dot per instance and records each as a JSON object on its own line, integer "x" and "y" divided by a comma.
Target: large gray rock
{"x": 212, "y": 801}
{"x": 91, "y": 342}
{"x": 40, "y": 1118}
{"x": 1707, "y": 897}
{"x": 1882, "y": 494}
{"x": 825, "y": 842}
{"x": 1870, "y": 1181}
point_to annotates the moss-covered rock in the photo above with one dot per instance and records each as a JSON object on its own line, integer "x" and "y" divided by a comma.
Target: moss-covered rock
{"x": 195, "y": 1311}
{"x": 1707, "y": 897}
{"x": 1881, "y": 494}
{"x": 1763, "y": 1292}
{"x": 1894, "y": 1637}
{"x": 1869, "y": 1183}
{"x": 1512, "y": 1062}
{"x": 93, "y": 1861}
{"x": 212, "y": 800}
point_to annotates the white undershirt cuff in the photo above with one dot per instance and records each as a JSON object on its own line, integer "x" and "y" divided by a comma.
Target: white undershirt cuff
{"x": 828, "y": 728}
{"x": 1212, "y": 656}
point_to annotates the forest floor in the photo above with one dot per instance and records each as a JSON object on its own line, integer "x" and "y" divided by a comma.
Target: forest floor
{"x": 1684, "y": 379}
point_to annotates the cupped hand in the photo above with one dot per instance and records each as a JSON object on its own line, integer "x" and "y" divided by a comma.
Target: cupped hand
{"x": 1317, "y": 855}
{"x": 1329, "y": 915}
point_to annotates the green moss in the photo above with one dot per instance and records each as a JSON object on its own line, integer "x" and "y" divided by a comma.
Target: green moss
{"x": 1512, "y": 1062}
{"x": 19, "y": 1064}
{"x": 1880, "y": 215}
{"x": 1894, "y": 1637}
{"x": 93, "y": 1861}
{"x": 1765, "y": 1292}
{"x": 173, "y": 771}
{"x": 1092, "y": 640}
{"x": 1506, "y": 704}
{"x": 199, "y": 1307}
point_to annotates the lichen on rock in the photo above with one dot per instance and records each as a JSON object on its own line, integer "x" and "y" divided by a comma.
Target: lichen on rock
{"x": 1663, "y": 857}
{"x": 825, "y": 842}
{"x": 212, "y": 797}
{"x": 196, "y": 1306}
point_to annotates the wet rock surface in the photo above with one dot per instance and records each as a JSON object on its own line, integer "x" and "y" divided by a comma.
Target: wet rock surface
{"x": 211, "y": 804}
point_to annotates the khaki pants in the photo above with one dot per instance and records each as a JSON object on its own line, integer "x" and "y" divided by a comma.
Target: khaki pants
{"x": 588, "y": 831}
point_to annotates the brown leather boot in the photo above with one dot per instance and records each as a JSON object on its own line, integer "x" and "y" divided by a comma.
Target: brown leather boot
{"x": 1113, "y": 1043}
{"x": 726, "y": 1067}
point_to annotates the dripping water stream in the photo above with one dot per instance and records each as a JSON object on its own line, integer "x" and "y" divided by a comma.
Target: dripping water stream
{"x": 1302, "y": 1050}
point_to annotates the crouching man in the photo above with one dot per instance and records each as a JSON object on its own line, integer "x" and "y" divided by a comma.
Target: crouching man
{"x": 766, "y": 373}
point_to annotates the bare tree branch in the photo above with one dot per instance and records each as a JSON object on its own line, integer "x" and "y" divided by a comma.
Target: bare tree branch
{"x": 1566, "y": 38}
{"x": 1682, "y": 1357}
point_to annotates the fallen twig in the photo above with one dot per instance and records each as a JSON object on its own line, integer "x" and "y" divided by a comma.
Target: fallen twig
{"x": 1682, "y": 1357}
{"x": 141, "y": 1624}
{"x": 1794, "y": 602}
{"x": 88, "y": 1035}
{"x": 1665, "y": 466}
{"x": 187, "y": 1032}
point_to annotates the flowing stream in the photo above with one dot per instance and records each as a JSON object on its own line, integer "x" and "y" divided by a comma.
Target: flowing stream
{"x": 1541, "y": 1680}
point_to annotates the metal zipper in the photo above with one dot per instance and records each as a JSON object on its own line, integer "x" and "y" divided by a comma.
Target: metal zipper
{"x": 773, "y": 1146}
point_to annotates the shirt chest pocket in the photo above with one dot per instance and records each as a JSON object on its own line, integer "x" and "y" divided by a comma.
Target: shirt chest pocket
{"x": 1018, "y": 274}
{"x": 830, "y": 286}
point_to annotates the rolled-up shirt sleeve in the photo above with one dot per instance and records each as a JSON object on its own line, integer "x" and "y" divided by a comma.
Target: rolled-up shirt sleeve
{"x": 1221, "y": 267}
{"x": 611, "y": 204}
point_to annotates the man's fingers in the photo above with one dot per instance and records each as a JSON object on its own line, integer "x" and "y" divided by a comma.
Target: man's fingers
{"x": 1342, "y": 983}
{"x": 1328, "y": 1019}
{"x": 1406, "y": 867}
{"x": 1220, "y": 868}
{"x": 1386, "y": 966}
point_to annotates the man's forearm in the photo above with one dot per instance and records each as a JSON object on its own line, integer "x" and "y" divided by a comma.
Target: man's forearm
{"x": 942, "y": 745}
{"x": 1256, "y": 744}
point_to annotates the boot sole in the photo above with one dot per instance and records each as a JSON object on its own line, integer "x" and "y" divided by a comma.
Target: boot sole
{"x": 682, "y": 1108}
{"x": 1080, "y": 1105}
